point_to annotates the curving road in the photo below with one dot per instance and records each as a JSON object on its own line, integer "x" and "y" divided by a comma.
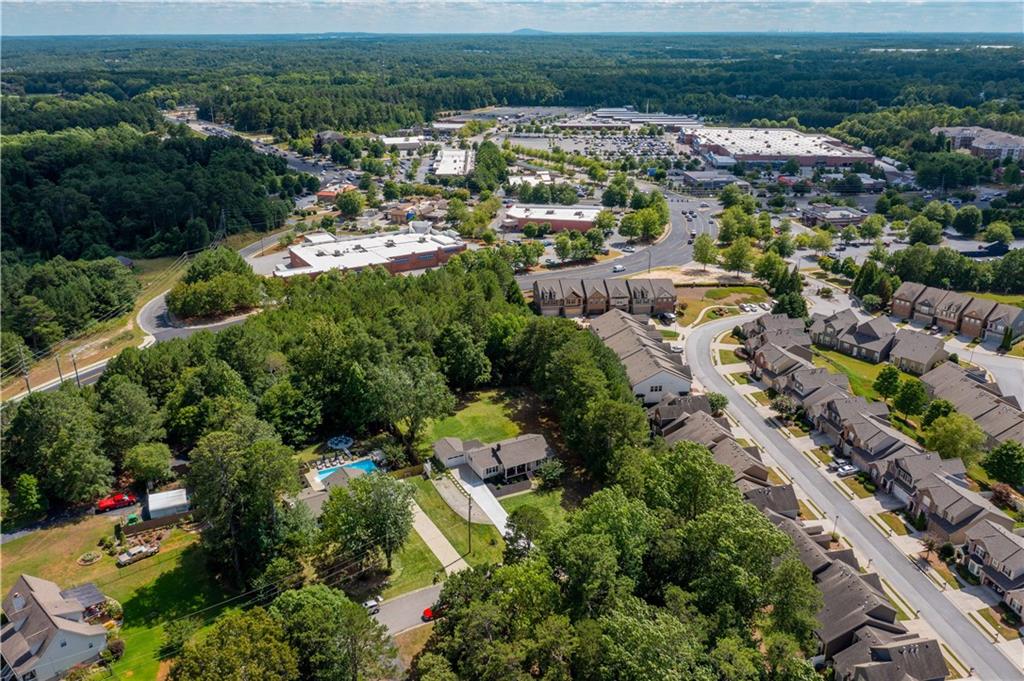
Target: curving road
{"x": 974, "y": 648}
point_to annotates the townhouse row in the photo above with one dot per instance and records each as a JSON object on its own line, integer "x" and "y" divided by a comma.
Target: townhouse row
{"x": 934, "y": 491}
{"x": 591, "y": 297}
{"x": 958, "y": 312}
{"x": 857, "y": 629}
{"x": 878, "y": 340}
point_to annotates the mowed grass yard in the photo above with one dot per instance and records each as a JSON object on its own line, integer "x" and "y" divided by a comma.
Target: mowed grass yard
{"x": 699, "y": 297}
{"x": 549, "y": 502}
{"x": 171, "y": 584}
{"x": 486, "y": 416}
{"x": 862, "y": 374}
{"x": 488, "y": 546}
{"x": 413, "y": 567}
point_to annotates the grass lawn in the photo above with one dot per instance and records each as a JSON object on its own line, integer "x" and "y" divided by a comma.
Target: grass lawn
{"x": 411, "y": 642}
{"x": 728, "y": 357}
{"x": 750, "y": 294}
{"x": 697, "y": 298}
{"x": 172, "y": 583}
{"x": 488, "y": 545}
{"x": 995, "y": 618}
{"x": 1008, "y": 298}
{"x": 806, "y": 512}
{"x": 823, "y": 454}
{"x": 979, "y": 475}
{"x": 484, "y": 416}
{"x": 742, "y": 377}
{"x": 1017, "y": 350}
{"x": 861, "y": 374}
{"x": 549, "y": 502}
{"x": 412, "y": 568}
{"x": 857, "y": 488}
{"x": 894, "y": 522}
{"x": 774, "y": 477}
{"x": 712, "y": 315}
{"x": 761, "y": 397}
{"x": 945, "y": 573}
{"x": 669, "y": 334}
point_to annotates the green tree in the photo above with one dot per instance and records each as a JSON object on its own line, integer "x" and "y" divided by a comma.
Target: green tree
{"x": 333, "y": 637}
{"x": 717, "y": 402}
{"x": 887, "y": 383}
{"x": 213, "y": 262}
{"x": 792, "y": 305}
{"x": 350, "y": 204}
{"x": 293, "y": 411}
{"x": 821, "y": 241}
{"x": 236, "y": 486}
{"x": 955, "y": 436}
{"x": 242, "y": 646}
{"x": 148, "y": 463}
{"x": 923, "y": 230}
{"x": 1006, "y": 463}
{"x": 526, "y": 524}
{"x": 462, "y": 356}
{"x": 738, "y": 256}
{"x": 872, "y": 227}
{"x": 407, "y": 394}
{"x": 127, "y": 416}
{"x": 795, "y": 600}
{"x": 374, "y": 510}
{"x": 912, "y": 398}
{"x": 605, "y": 221}
{"x": 999, "y": 232}
{"x": 967, "y": 220}
{"x": 936, "y": 409}
{"x": 704, "y": 250}
{"x": 28, "y": 500}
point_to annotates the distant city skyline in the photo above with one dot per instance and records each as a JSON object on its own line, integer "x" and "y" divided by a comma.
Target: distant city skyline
{"x": 176, "y": 17}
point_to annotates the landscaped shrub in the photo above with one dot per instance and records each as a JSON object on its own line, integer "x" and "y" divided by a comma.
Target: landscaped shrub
{"x": 738, "y": 332}
{"x": 115, "y": 646}
{"x": 946, "y": 551}
{"x": 550, "y": 473}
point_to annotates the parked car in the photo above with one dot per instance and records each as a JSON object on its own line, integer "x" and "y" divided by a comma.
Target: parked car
{"x": 115, "y": 501}
{"x": 137, "y": 553}
{"x": 372, "y": 606}
{"x": 619, "y": 268}
{"x": 693, "y": 233}
{"x": 667, "y": 317}
{"x": 629, "y": 249}
{"x": 765, "y": 306}
{"x": 846, "y": 470}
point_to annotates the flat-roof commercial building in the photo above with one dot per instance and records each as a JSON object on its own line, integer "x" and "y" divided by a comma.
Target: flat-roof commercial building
{"x": 723, "y": 147}
{"x": 330, "y": 193}
{"x": 837, "y": 216}
{"x": 403, "y": 143}
{"x": 578, "y": 217}
{"x": 629, "y": 115}
{"x": 453, "y": 163}
{"x": 712, "y": 179}
{"x": 394, "y": 251}
{"x": 984, "y": 142}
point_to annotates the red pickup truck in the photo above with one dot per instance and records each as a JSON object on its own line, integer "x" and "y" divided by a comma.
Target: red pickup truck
{"x": 118, "y": 500}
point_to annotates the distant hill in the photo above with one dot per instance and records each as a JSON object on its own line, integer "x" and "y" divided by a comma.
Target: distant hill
{"x": 530, "y": 31}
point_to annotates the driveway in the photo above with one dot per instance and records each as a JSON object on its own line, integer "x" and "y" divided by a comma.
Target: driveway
{"x": 973, "y": 647}
{"x": 482, "y": 496}
{"x": 404, "y": 612}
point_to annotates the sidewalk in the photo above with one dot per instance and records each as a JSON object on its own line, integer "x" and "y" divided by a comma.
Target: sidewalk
{"x": 432, "y": 537}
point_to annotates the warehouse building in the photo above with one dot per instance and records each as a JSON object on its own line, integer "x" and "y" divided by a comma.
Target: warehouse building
{"x": 724, "y": 147}
{"x": 453, "y": 163}
{"x": 394, "y": 251}
{"x": 403, "y": 144}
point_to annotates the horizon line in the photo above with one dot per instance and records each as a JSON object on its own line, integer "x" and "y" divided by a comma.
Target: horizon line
{"x": 518, "y": 33}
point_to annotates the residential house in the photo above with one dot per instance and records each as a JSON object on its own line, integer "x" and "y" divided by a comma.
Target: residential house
{"x": 595, "y": 297}
{"x": 1004, "y": 317}
{"x": 870, "y": 341}
{"x": 906, "y": 470}
{"x": 950, "y": 509}
{"x": 773, "y": 364}
{"x": 673, "y": 407}
{"x": 995, "y": 555}
{"x": 811, "y": 388}
{"x": 313, "y": 498}
{"x": 926, "y": 306}
{"x": 46, "y": 631}
{"x": 572, "y": 297}
{"x": 770, "y": 322}
{"x": 880, "y": 655}
{"x": 950, "y": 311}
{"x": 653, "y": 369}
{"x": 578, "y": 297}
{"x": 975, "y": 316}
{"x": 787, "y": 339}
{"x": 506, "y": 460}
{"x": 838, "y": 411}
{"x": 917, "y": 353}
{"x": 780, "y": 499}
{"x": 905, "y": 297}
{"x": 998, "y": 415}
{"x": 547, "y": 296}
{"x": 701, "y": 427}
{"x": 869, "y": 442}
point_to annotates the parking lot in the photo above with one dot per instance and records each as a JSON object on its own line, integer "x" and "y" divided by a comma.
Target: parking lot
{"x": 600, "y": 146}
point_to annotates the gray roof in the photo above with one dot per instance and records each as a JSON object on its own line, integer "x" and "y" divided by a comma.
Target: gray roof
{"x": 699, "y": 427}
{"x": 879, "y": 655}
{"x": 778, "y": 498}
{"x": 979, "y": 308}
{"x": 672, "y": 406}
{"x": 571, "y": 287}
{"x": 1008, "y": 314}
{"x": 916, "y": 347}
{"x": 953, "y": 304}
{"x": 1003, "y": 545}
{"x": 931, "y": 295}
{"x": 594, "y": 288}
{"x": 950, "y": 498}
{"x": 523, "y": 449}
{"x": 909, "y": 290}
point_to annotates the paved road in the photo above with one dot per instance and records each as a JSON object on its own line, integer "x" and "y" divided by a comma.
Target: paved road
{"x": 973, "y": 647}
{"x": 672, "y": 251}
{"x": 404, "y": 611}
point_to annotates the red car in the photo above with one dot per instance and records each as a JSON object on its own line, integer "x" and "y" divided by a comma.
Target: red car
{"x": 119, "y": 500}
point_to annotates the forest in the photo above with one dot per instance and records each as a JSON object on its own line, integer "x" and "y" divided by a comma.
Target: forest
{"x": 288, "y": 85}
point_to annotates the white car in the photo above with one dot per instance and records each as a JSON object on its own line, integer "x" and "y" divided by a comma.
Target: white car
{"x": 765, "y": 306}
{"x": 372, "y": 606}
{"x": 846, "y": 470}
{"x": 619, "y": 268}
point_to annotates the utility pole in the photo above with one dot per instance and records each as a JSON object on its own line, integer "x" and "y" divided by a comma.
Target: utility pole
{"x": 469, "y": 527}
{"x": 74, "y": 363}
{"x": 56, "y": 358}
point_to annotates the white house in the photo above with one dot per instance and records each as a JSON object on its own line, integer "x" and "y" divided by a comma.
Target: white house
{"x": 163, "y": 504}
{"x": 506, "y": 459}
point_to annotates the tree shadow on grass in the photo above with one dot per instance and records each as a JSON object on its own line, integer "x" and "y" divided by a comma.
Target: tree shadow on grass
{"x": 175, "y": 593}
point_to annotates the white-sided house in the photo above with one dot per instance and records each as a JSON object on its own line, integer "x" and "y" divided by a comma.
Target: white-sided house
{"x": 506, "y": 459}
{"x": 163, "y": 504}
{"x": 46, "y": 632}
{"x": 652, "y": 376}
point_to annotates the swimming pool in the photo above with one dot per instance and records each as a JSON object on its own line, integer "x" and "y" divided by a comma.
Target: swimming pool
{"x": 365, "y": 465}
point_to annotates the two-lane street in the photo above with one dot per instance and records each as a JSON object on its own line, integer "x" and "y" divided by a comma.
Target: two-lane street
{"x": 975, "y": 649}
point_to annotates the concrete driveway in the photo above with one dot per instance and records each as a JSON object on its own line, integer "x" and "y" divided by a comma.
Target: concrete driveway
{"x": 482, "y": 496}
{"x": 944, "y": 617}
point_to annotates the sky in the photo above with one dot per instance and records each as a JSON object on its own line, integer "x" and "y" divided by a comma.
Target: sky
{"x": 119, "y": 17}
